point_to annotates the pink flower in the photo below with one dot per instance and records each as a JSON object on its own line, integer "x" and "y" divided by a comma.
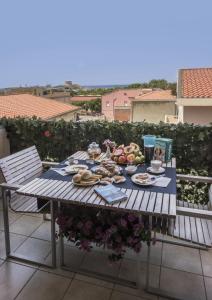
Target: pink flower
{"x": 47, "y": 133}
{"x": 88, "y": 224}
{"x": 123, "y": 222}
{"x": 118, "y": 239}
{"x": 79, "y": 225}
{"x": 113, "y": 228}
{"x": 130, "y": 240}
{"x": 131, "y": 218}
{"x": 85, "y": 245}
{"x": 137, "y": 247}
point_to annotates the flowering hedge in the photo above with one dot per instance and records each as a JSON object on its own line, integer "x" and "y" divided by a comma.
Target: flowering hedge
{"x": 192, "y": 145}
{"x": 107, "y": 229}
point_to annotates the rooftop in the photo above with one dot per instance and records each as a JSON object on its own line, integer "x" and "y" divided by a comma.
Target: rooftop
{"x": 195, "y": 83}
{"x": 83, "y": 98}
{"x": 156, "y": 95}
{"x": 26, "y": 105}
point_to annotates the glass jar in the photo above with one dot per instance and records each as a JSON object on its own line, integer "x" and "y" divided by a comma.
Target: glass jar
{"x": 94, "y": 150}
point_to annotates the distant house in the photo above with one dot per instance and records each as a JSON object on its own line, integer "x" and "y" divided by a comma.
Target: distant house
{"x": 194, "y": 96}
{"x": 117, "y": 105}
{"x": 25, "y": 105}
{"x": 153, "y": 106}
{"x": 66, "y": 98}
{"x": 83, "y": 98}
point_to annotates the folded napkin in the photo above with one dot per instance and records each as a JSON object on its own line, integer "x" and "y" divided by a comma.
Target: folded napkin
{"x": 60, "y": 171}
{"x": 162, "y": 181}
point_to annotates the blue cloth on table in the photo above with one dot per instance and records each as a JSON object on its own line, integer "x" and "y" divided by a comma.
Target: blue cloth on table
{"x": 128, "y": 184}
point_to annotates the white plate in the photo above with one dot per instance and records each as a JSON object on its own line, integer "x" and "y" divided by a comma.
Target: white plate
{"x": 151, "y": 181}
{"x": 87, "y": 183}
{"x": 122, "y": 180}
{"x": 153, "y": 171}
{"x": 73, "y": 169}
{"x": 95, "y": 167}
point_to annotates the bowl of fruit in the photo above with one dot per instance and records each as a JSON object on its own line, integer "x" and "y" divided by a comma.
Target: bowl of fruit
{"x": 130, "y": 154}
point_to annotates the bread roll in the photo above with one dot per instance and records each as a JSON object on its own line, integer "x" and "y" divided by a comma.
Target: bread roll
{"x": 86, "y": 174}
{"x": 77, "y": 178}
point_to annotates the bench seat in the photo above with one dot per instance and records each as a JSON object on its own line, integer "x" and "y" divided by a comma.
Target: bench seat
{"x": 197, "y": 230}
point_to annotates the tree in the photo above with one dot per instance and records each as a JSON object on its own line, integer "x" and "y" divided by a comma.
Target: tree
{"x": 135, "y": 86}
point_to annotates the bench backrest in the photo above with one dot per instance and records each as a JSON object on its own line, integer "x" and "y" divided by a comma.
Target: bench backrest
{"x": 210, "y": 196}
{"x": 22, "y": 166}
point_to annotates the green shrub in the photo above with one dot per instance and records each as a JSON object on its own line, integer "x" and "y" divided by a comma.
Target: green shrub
{"x": 192, "y": 145}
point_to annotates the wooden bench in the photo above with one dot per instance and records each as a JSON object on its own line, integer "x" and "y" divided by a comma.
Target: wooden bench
{"x": 194, "y": 221}
{"x": 18, "y": 169}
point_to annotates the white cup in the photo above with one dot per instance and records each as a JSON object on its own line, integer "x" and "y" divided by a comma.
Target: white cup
{"x": 156, "y": 164}
{"x": 131, "y": 169}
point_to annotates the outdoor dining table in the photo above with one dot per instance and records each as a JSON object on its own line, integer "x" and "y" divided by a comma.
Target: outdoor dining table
{"x": 151, "y": 201}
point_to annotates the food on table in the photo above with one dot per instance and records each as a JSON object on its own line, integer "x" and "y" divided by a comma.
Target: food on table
{"x": 85, "y": 177}
{"x": 77, "y": 178}
{"x": 119, "y": 179}
{"x": 107, "y": 168}
{"x": 131, "y": 169}
{"x": 94, "y": 150}
{"x": 75, "y": 168}
{"x": 106, "y": 180}
{"x": 128, "y": 154}
{"x": 143, "y": 177}
{"x": 85, "y": 174}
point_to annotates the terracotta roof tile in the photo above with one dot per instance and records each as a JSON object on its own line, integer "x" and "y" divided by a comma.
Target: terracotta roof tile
{"x": 26, "y": 105}
{"x": 83, "y": 98}
{"x": 161, "y": 95}
{"x": 196, "y": 83}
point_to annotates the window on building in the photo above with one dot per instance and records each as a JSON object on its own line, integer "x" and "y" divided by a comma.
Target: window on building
{"x": 125, "y": 103}
{"x": 107, "y": 103}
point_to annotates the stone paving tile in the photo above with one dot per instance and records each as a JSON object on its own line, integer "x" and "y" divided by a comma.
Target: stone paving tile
{"x": 45, "y": 286}
{"x": 208, "y": 286}
{"x": 80, "y": 290}
{"x": 34, "y": 249}
{"x": 206, "y": 257}
{"x": 183, "y": 285}
{"x": 181, "y": 258}
{"x": 155, "y": 256}
{"x": 44, "y": 231}
{"x": 129, "y": 268}
{"x": 73, "y": 257}
{"x": 15, "y": 241}
{"x": 121, "y": 296}
{"x": 12, "y": 218}
{"x": 13, "y": 277}
{"x": 25, "y": 225}
{"x": 98, "y": 262}
{"x": 93, "y": 280}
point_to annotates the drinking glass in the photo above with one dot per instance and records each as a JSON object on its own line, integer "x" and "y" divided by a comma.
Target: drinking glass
{"x": 149, "y": 145}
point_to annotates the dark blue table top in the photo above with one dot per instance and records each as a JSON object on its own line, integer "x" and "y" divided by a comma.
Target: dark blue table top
{"x": 128, "y": 184}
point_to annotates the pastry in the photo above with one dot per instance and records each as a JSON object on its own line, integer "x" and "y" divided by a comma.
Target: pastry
{"x": 85, "y": 174}
{"x": 119, "y": 179}
{"x": 77, "y": 178}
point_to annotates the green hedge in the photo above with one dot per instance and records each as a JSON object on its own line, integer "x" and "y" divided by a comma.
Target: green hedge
{"x": 192, "y": 145}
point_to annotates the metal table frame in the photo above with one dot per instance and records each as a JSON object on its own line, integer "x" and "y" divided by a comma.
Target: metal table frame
{"x": 12, "y": 255}
{"x": 94, "y": 274}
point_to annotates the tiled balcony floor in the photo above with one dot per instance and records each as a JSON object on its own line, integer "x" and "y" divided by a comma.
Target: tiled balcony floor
{"x": 186, "y": 272}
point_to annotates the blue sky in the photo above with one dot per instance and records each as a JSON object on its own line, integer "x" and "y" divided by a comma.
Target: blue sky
{"x": 102, "y": 42}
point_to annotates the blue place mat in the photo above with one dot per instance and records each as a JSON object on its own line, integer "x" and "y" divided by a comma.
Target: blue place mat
{"x": 128, "y": 184}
